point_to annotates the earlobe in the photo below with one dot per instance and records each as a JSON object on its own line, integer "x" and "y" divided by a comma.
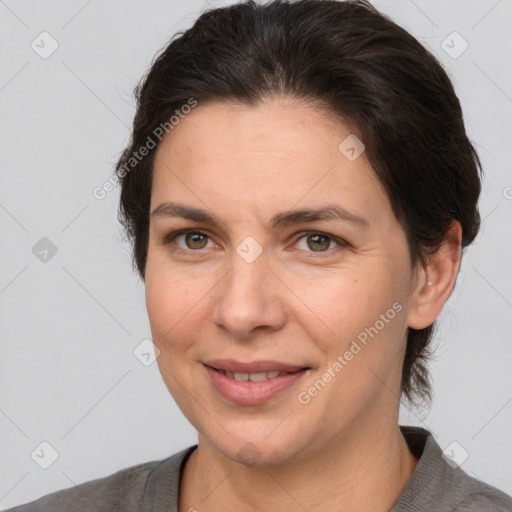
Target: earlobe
{"x": 436, "y": 281}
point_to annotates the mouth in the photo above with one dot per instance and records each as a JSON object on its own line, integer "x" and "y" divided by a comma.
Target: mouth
{"x": 255, "y": 376}
{"x": 253, "y": 383}
{"x": 261, "y": 366}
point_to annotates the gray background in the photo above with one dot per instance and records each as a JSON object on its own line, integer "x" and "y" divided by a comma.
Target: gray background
{"x": 69, "y": 325}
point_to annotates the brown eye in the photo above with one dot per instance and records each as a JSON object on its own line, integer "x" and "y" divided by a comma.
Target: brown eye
{"x": 318, "y": 242}
{"x": 195, "y": 240}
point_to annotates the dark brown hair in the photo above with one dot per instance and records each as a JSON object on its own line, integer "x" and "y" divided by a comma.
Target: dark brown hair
{"x": 363, "y": 68}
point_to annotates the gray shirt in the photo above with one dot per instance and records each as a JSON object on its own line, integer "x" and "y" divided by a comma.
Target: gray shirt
{"x": 154, "y": 486}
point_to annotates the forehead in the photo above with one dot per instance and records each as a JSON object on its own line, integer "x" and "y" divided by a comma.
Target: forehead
{"x": 279, "y": 127}
{"x": 280, "y": 152}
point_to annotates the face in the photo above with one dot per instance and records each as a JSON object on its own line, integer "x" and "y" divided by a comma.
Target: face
{"x": 330, "y": 296}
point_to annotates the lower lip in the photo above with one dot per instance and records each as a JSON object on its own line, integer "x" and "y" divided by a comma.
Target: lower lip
{"x": 251, "y": 393}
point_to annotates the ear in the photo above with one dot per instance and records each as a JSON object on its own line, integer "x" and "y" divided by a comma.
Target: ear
{"x": 434, "y": 283}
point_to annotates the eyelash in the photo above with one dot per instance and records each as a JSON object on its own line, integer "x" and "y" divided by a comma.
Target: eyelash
{"x": 169, "y": 239}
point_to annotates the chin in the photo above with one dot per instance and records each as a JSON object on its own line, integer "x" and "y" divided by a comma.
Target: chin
{"x": 259, "y": 446}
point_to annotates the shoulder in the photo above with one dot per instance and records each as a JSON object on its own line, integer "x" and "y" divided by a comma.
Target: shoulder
{"x": 481, "y": 496}
{"x": 128, "y": 489}
{"x": 471, "y": 494}
{"x": 125, "y": 486}
{"x": 441, "y": 485}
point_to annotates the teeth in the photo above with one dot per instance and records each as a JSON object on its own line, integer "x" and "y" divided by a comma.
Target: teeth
{"x": 258, "y": 377}
{"x": 253, "y": 377}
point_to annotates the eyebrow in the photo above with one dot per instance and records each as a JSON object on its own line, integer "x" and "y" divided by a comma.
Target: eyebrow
{"x": 286, "y": 218}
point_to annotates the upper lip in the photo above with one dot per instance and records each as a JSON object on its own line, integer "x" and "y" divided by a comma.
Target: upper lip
{"x": 252, "y": 367}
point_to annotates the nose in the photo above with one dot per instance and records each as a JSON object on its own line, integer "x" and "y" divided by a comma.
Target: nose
{"x": 249, "y": 298}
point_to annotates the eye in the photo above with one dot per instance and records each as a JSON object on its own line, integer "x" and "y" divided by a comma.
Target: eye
{"x": 320, "y": 242}
{"x": 311, "y": 242}
{"x": 194, "y": 240}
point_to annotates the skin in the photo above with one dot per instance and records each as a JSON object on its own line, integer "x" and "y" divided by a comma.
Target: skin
{"x": 294, "y": 303}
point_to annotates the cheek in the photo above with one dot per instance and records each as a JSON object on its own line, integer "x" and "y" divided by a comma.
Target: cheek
{"x": 177, "y": 300}
{"x": 168, "y": 302}
{"x": 362, "y": 359}
{"x": 365, "y": 316}
{"x": 346, "y": 303}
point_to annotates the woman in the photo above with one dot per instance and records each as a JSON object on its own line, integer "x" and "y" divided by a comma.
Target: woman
{"x": 299, "y": 188}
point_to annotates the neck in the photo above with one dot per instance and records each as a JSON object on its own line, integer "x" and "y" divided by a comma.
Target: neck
{"x": 362, "y": 469}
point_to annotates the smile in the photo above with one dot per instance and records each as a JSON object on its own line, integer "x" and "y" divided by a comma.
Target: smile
{"x": 253, "y": 377}
{"x": 255, "y": 388}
